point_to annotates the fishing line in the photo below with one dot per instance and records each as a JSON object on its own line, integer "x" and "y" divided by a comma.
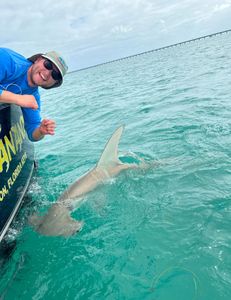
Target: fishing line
{"x": 162, "y": 274}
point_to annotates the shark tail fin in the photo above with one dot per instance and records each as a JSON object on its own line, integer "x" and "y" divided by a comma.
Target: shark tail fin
{"x": 110, "y": 152}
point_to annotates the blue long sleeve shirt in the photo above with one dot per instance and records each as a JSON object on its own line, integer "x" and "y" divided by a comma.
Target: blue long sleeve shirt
{"x": 13, "y": 78}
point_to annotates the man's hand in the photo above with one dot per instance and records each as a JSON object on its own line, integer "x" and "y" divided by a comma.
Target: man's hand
{"x": 27, "y": 101}
{"x": 21, "y": 100}
{"x": 47, "y": 127}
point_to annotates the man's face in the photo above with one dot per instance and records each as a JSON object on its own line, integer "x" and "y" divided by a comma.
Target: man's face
{"x": 38, "y": 75}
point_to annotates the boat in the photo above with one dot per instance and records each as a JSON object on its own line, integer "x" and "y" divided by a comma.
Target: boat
{"x": 16, "y": 164}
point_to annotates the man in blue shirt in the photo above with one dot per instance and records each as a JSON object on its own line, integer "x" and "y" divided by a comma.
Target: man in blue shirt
{"x": 19, "y": 82}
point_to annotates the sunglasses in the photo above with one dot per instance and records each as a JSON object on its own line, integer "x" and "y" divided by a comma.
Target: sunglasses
{"x": 54, "y": 74}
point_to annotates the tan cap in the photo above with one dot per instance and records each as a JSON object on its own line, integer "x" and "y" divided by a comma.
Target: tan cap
{"x": 56, "y": 59}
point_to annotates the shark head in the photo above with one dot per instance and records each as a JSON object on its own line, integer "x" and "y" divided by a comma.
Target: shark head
{"x": 57, "y": 222}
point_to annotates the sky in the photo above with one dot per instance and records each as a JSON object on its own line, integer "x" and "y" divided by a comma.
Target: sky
{"x": 90, "y": 32}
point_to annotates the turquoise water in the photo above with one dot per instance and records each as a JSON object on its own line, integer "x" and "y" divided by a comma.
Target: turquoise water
{"x": 161, "y": 233}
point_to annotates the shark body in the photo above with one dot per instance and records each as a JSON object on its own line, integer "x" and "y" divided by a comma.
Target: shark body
{"x": 58, "y": 221}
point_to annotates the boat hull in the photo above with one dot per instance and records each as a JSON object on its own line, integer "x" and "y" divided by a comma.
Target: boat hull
{"x": 16, "y": 164}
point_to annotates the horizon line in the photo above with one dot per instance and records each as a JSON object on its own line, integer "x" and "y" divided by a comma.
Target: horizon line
{"x": 153, "y": 50}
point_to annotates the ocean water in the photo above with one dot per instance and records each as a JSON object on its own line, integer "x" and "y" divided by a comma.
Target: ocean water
{"x": 161, "y": 233}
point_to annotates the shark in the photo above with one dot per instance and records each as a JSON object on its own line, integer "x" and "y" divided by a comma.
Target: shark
{"x": 58, "y": 221}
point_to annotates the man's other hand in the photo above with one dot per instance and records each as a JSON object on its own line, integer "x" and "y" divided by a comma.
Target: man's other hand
{"x": 47, "y": 127}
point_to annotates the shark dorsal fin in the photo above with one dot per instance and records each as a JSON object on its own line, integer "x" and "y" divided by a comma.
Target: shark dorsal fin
{"x": 110, "y": 152}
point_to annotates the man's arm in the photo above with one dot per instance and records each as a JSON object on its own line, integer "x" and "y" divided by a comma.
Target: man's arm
{"x": 46, "y": 127}
{"x": 21, "y": 100}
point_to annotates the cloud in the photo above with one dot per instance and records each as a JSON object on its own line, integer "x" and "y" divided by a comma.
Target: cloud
{"x": 121, "y": 29}
{"x": 220, "y": 7}
{"x": 92, "y": 31}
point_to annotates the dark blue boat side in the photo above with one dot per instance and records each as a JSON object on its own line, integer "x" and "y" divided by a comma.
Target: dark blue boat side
{"x": 16, "y": 164}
